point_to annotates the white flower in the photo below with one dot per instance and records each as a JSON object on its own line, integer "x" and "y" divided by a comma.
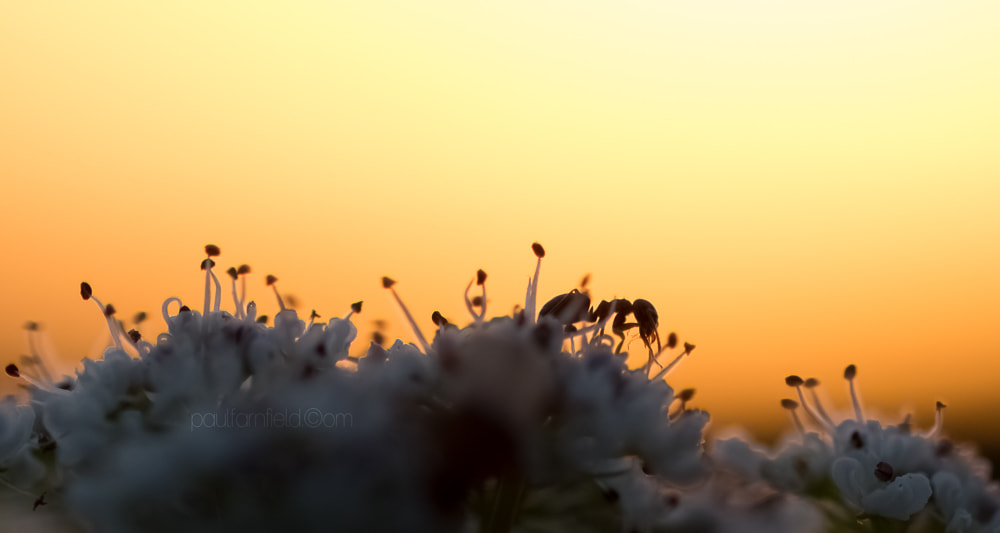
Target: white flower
{"x": 873, "y": 488}
{"x": 15, "y": 427}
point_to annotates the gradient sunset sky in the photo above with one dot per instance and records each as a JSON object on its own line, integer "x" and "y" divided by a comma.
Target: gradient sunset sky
{"x": 795, "y": 185}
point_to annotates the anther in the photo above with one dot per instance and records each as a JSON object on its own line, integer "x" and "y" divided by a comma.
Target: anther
{"x": 672, "y": 341}
{"x": 388, "y": 283}
{"x": 883, "y": 472}
{"x": 791, "y": 406}
{"x": 438, "y": 319}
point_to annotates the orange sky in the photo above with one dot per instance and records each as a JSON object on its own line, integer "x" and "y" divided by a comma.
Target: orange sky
{"x": 795, "y": 185}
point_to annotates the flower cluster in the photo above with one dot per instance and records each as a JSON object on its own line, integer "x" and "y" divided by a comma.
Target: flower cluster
{"x": 865, "y": 475}
{"x": 494, "y": 426}
{"x": 526, "y": 422}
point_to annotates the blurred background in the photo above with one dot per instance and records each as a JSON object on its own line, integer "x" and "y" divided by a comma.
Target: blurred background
{"x": 796, "y": 186}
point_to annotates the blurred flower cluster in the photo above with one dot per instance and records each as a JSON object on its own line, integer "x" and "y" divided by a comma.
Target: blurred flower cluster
{"x": 527, "y": 422}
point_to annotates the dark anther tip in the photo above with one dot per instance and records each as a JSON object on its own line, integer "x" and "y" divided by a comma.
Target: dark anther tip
{"x": 12, "y": 371}
{"x": 883, "y": 471}
{"x": 139, "y": 317}
{"x": 850, "y": 372}
{"x": 134, "y": 335}
{"x": 109, "y": 310}
{"x": 438, "y": 319}
{"x": 387, "y": 282}
{"x": 789, "y": 403}
{"x": 688, "y": 347}
{"x": 811, "y": 382}
{"x": 672, "y": 340}
{"x": 480, "y": 276}
{"x": 212, "y": 250}
{"x": 356, "y": 306}
{"x": 686, "y": 395}
{"x": 184, "y": 309}
{"x": 940, "y": 405}
{"x": 477, "y": 301}
{"x": 794, "y": 381}
{"x": 539, "y": 251}
{"x": 244, "y": 269}
{"x": 262, "y": 319}
{"x": 314, "y": 315}
{"x": 270, "y": 279}
{"x": 233, "y": 273}
{"x": 31, "y": 325}
{"x": 207, "y": 263}
{"x": 86, "y": 291}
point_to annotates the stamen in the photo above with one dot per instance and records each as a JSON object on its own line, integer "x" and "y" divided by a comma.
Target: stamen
{"x": 13, "y": 371}
{"x": 234, "y": 274}
{"x": 109, "y": 313}
{"x": 684, "y": 397}
{"x": 469, "y": 306}
{"x": 88, "y": 294}
{"x": 529, "y": 302}
{"x": 251, "y": 313}
{"x": 791, "y": 405}
{"x": 166, "y": 304}
{"x": 811, "y": 384}
{"x": 797, "y": 382}
{"x": 688, "y": 347}
{"x": 849, "y": 374}
{"x": 32, "y": 329}
{"x": 207, "y": 265}
{"x": 439, "y": 320}
{"x": 387, "y": 283}
{"x": 938, "y": 421}
{"x": 243, "y": 271}
{"x": 355, "y": 309}
{"x": 481, "y": 281}
{"x": 270, "y": 283}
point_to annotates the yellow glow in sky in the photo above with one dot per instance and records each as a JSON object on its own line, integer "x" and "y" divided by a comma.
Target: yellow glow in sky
{"x": 795, "y": 185}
